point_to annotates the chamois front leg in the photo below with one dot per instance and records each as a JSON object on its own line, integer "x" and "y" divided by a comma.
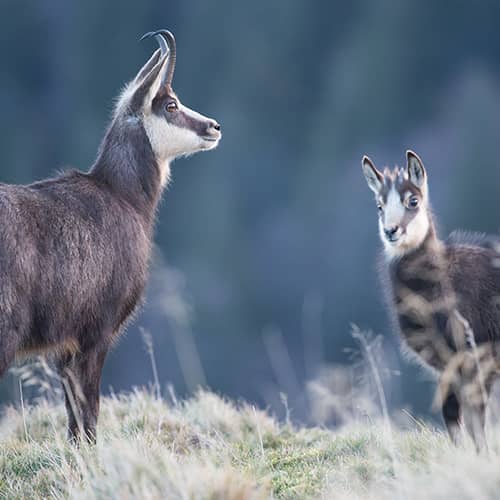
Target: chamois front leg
{"x": 475, "y": 384}
{"x": 9, "y": 344}
{"x": 81, "y": 379}
{"x": 451, "y": 416}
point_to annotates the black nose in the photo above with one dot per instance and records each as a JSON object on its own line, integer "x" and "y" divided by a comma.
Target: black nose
{"x": 391, "y": 231}
{"x": 214, "y": 125}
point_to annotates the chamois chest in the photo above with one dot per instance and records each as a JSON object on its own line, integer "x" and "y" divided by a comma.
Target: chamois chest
{"x": 424, "y": 306}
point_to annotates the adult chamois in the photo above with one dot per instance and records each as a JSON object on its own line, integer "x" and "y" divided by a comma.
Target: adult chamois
{"x": 445, "y": 295}
{"x": 74, "y": 250}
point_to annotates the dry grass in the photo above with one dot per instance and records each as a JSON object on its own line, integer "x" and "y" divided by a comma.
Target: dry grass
{"x": 209, "y": 448}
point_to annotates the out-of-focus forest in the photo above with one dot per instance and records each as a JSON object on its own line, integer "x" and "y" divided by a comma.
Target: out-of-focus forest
{"x": 266, "y": 247}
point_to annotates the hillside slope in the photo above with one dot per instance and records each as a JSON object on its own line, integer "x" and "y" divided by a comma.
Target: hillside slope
{"x": 209, "y": 448}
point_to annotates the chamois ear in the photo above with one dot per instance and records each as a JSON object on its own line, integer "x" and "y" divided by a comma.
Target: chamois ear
{"x": 416, "y": 170}
{"x": 148, "y": 66}
{"x": 373, "y": 177}
{"x": 148, "y": 85}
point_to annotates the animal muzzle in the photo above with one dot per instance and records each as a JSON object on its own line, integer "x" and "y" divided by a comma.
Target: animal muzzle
{"x": 393, "y": 233}
{"x": 205, "y": 128}
{"x": 212, "y": 131}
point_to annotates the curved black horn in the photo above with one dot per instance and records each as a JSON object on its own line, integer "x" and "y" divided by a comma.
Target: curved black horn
{"x": 169, "y": 72}
{"x": 166, "y": 41}
{"x": 161, "y": 41}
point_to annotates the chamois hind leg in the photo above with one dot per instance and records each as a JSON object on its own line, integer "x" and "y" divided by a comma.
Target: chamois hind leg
{"x": 451, "y": 415}
{"x": 81, "y": 379}
{"x": 474, "y": 394}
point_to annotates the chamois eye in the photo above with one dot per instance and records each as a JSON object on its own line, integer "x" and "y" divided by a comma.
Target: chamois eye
{"x": 172, "y": 106}
{"x": 412, "y": 202}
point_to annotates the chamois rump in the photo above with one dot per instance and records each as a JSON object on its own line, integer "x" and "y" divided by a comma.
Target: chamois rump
{"x": 445, "y": 295}
{"x": 74, "y": 250}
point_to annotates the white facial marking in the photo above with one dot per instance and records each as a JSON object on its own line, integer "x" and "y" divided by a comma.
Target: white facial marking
{"x": 416, "y": 230}
{"x": 407, "y": 238}
{"x": 394, "y": 209}
{"x": 169, "y": 141}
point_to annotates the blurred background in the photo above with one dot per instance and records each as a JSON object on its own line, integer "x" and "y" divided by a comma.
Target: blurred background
{"x": 267, "y": 247}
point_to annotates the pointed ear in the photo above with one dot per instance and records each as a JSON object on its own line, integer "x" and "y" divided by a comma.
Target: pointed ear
{"x": 416, "y": 170}
{"x": 147, "y": 85}
{"x": 148, "y": 66}
{"x": 373, "y": 177}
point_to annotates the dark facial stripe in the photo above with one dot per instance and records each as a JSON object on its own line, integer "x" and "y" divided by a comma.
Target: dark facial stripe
{"x": 179, "y": 118}
{"x": 402, "y": 184}
{"x": 183, "y": 120}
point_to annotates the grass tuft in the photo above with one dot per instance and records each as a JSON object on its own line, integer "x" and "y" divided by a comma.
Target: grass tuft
{"x": 210, "y": 448}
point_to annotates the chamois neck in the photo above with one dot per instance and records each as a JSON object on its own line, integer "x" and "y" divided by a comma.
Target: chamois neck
{"x": 431, "y": 248}
{"x": 126, "y": 164}
{"x": 431, "y": 241}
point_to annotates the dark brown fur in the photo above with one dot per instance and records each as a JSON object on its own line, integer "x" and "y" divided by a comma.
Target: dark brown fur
{"x": 442, "y": 293}
{"x": 74, "y": 253}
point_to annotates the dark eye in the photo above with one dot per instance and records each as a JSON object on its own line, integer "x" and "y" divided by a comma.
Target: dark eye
{"x": 412, "y": 202}
{"x": 172, "y": 106}
{"x": 379, "y": 207}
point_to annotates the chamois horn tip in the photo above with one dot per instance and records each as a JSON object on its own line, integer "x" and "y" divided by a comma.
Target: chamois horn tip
{"x": 164, "y": 38}
{"x": 169, "y": 35}
{"x": 149, "y": 34}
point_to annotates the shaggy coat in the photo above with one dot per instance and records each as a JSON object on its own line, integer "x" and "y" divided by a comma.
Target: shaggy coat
{"x": 445, "y": 299}
{"x": 74, "y": 250}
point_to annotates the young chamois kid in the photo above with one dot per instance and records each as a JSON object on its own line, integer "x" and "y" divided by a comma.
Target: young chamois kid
{"x": 445, "y": 295}
{"x": 74, "y": 250}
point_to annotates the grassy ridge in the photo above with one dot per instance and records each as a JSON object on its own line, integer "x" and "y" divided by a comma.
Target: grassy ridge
{"x": 209, "y": 448}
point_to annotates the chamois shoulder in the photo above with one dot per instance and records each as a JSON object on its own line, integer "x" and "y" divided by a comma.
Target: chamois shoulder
{"x": 64, "y": 178}
{"x": 70, "y": 195}
{"x": 467, "y": 241}
{"x": 460, "y": 237}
